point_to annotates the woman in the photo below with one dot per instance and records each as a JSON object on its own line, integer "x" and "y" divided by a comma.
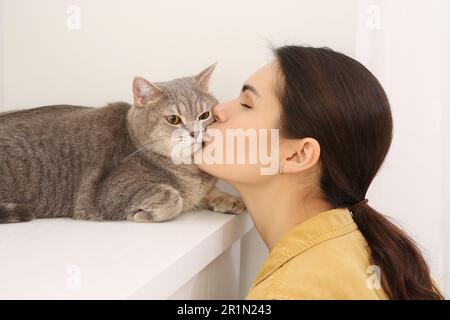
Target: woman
{"x": 325, "y": 240}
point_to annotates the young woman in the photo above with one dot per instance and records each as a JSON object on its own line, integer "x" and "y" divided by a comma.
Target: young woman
{"x": 325, "y": 240}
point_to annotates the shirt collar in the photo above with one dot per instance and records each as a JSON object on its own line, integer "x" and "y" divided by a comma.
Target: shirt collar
{"x": 323, "y": 226}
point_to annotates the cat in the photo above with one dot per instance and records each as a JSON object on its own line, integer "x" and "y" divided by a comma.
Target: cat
{"x": 110, "y": 163}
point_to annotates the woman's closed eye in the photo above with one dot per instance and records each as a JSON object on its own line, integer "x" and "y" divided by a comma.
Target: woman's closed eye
{"x": 246, "y": 105}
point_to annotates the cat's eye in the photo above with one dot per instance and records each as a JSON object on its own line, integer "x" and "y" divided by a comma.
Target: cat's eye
{"x": 173, "y": 119}
{"x": 204, "y": 115}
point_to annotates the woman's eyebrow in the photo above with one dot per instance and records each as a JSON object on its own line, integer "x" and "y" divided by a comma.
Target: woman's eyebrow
{"x": 250, "y": 88}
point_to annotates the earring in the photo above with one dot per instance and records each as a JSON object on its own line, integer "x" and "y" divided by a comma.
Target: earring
{"x": 281, "y": 169}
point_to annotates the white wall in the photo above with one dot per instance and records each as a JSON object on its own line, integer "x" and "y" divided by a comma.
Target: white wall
{"x": 2, "y": 74}
{"x": 46, "y": 63}
{"x": 406, "y": 44}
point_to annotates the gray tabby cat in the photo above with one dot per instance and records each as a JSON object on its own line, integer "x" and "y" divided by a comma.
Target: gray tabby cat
{"x": 109, "y": 163}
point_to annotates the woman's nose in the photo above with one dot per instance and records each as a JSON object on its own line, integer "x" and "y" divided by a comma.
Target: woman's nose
{"x": 219, "y": 113}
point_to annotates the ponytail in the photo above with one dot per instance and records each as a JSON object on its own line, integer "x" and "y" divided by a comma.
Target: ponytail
{"x": 404, "y": 271}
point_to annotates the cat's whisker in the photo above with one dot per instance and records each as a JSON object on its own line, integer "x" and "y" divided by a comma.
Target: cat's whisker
{"x": 153, "y": 144}
{"x": 140, "y": 149}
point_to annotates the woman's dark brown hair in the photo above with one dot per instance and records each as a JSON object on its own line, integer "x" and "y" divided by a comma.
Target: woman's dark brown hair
{"x": 334, "y": 99}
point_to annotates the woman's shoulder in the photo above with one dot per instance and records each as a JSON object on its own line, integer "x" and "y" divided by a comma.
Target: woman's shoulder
{"x": 335, "y": 269}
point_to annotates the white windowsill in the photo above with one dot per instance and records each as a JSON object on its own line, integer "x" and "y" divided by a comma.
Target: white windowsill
{"x": 68, "y": 259}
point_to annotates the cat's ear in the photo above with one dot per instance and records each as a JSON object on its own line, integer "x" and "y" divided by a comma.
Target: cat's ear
{"x": 144, "y": 92}
{"x": 203, "y": 78}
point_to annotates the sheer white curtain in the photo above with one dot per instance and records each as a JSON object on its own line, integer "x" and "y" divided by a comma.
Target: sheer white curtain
{"x": 406, "y": 44}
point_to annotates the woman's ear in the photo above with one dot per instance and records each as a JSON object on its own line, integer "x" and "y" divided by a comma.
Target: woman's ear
{"x": 304, "y": 153}
{"x": 145, "y": 92}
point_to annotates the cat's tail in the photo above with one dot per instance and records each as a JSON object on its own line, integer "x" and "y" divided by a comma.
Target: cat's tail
{"x": 15, "y": 212}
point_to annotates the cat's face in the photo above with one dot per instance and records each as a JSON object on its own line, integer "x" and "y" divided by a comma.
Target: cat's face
{"x": 169, "y": 118}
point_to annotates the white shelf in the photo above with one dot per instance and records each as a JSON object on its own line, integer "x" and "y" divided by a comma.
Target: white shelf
{"x": 68, "y": 259}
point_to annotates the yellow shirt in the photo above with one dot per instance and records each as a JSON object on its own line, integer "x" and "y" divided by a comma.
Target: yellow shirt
{"x": 325, "y": 257}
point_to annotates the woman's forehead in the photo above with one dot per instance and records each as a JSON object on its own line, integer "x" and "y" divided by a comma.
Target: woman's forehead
{"x": 263, "y": 78}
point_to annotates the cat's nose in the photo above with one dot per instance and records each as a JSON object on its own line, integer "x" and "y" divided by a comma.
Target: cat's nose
{"x": 195, "y": 134}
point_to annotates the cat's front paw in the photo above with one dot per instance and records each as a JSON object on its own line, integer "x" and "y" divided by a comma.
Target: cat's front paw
{"x": 162, "y": 203}
{"x": 223, "y": 202}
